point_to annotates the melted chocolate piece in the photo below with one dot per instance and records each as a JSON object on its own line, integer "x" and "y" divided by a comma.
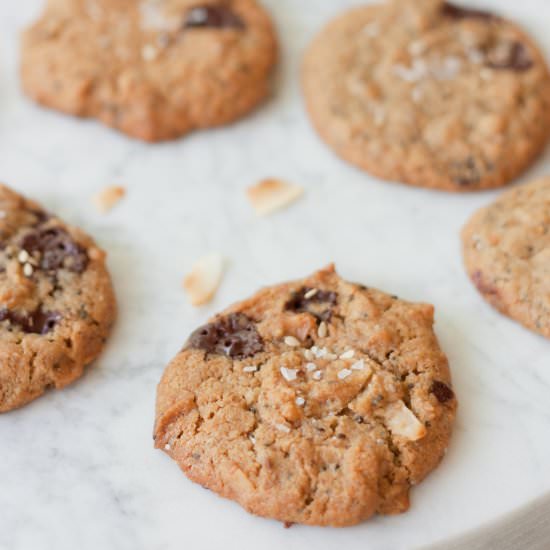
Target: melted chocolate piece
{"x": 515, "y": 58}
{"x": 57, "y": 248}
{"x": 212, "y": 16}
{"x": 36, "y": 322}
{"x": 234, "y": 336}
{"x": 457, "y": 12}
{"x": 441, "y": 391}
{"x": 319, "y": 305}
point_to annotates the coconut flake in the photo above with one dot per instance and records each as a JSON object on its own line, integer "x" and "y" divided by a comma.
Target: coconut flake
{"x": 271, "y": 195}
{"x": 401, "y": 421}
{"x": 204, "y": 279}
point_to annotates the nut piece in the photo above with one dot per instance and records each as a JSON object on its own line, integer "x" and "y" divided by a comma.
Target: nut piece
{"x": 402, "y": 422}
{"x": 204, "y": 279}
{"x": 270, "y": 195}
{"x": 108, "y": 197}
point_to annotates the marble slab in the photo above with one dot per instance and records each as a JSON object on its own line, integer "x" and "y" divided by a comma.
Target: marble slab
{"x": 77, "y": 468}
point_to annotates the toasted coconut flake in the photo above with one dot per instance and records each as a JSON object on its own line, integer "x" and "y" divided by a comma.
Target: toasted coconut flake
{"x": 107, "y": 198}
{"x": 270, "y": 195}
{"x": 402, "y": 422}
{"x": 204, "y": 279}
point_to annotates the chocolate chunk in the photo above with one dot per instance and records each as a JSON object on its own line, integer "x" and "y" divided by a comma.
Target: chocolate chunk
{"x": 456, "y": 12}
{"x": 57, "y": 249}
{"x": 318, "y": 304}
{"x": 235, "y": 336}
{"x": 36, "y": 322}
{"x": 512, "y": 56}
{"x": 212, "y": 16}
{"x": 441, "y": 391}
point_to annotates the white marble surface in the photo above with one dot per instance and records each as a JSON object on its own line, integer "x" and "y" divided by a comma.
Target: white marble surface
{"x": 77, "y": 468}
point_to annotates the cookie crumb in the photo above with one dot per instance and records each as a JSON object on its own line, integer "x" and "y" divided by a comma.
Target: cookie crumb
{"x": 202, "y": 282}
{"x": 271, "y": 195}
{"x": 107, "y": 198}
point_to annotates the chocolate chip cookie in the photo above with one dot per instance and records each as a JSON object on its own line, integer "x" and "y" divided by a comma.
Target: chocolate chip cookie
{"x": 507, "y": 254}
{"x": 429, "y": 93}
{"x": 56, "y": 301}
{"x": 317, "y": 401}
{"x": 154, "y": 69}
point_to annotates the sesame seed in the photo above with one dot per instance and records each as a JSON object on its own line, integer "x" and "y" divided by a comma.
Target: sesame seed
{"x": 283, "y": 428}
{"x": 344, "y": 373}
{"x": 300, "y": 401}
{"x": 167, "y": 447}
{"x": 27, "y": 270}
{"x": 149, "y": 52}
{"x": 317, "y": 375}
{"x": 308, "y": 354}
{"x": 310, "y": 367}
{"x": 416, "y": 94}
{"x": 347, "y": 354}
{"x": 252, "y": 439}
{"x": 331, "y": 356}
{"x": 251, "y": 368}
{"x": 322, "y": 330}
{"x": 371, "y": 30}
{"x": 23, "y": 256}
{"x": 417, "y": 47}
{"x": 292, "y": 341}
{"x": 358, "y": 365}
{"x": 289, "y": 374}
{"x": 310, "y": 293}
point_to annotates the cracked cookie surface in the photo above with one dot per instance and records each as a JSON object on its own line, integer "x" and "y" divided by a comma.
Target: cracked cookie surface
{"x": 56, "y": 301}
{"x": 506, "y": 249}
{"x": 316, "y": 401}
{"x": 154, "y": 69}
{"x": 430, "y": 94}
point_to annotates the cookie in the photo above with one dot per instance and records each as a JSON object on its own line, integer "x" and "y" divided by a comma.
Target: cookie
{"x": 317, "y": 401}
{"x": 56, "y": 301}
{"x": 506, "y": 248}
{"x": 430, "y": 94}
{"x": 154, "y": 69}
